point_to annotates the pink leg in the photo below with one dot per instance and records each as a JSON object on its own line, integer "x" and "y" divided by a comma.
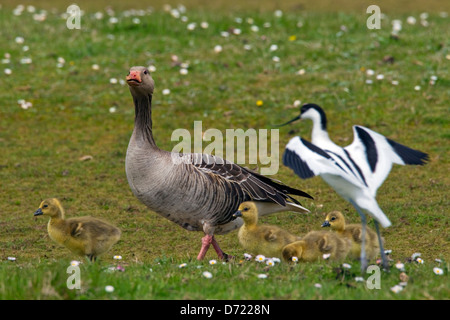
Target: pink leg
{"x": 219, "y": 251}
{"x": 206, "y": 242}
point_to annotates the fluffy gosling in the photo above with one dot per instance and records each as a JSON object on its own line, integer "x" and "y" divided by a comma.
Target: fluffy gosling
{"x": 267, "y": 240}
{"x": 353, "y": 232}
{"x": 85, "y": 236}
{"x": 315, "y": 244}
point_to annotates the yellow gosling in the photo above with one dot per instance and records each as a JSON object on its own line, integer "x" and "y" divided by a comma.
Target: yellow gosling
{"x": 85, "y": 236}
{"x": 267, "y": 240}
{"x": 317, "y": 245}
{"x": 353, "y": 232}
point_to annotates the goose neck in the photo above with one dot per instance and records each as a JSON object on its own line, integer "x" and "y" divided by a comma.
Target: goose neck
{"x": 143, "y": 119}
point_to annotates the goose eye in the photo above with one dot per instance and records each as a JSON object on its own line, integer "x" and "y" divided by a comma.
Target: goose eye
{"x": 45, "y": 206}
{"x": 145, "y": 72}
{"x": 245, "y": 209}
{"x": 334, "y": 218}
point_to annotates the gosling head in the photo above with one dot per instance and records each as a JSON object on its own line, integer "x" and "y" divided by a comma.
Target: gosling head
{"x": 248, "y": 212}
{"x": 335, "y": 220}
{"x": 50, "y": 207}
{"x": 140, "y": 81}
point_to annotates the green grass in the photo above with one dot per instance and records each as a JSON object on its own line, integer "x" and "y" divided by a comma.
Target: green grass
{"x": 70, "y": 118}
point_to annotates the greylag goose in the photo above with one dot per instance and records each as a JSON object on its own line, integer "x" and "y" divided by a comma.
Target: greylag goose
{"x": 199, "y": 192}
{"x": 355, "y": 172}
{"x": 317, "y": 245}
{"x": 258, "y": 239}
{"x": 336, "y": 221}
{"x": 84, "y": 236}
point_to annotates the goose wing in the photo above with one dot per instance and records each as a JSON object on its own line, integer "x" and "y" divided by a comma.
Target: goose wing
{"x": 307, "y": 160}
{"x": 241, "y": 180}
{"x": 375, "y": 154}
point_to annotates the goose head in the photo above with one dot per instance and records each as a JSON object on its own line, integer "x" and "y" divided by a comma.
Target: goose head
{"x": 248, "y": 212}
{"x": 140, "y": 81}
{"x": 50, "y": 207}
{"x": 335, "y": 220}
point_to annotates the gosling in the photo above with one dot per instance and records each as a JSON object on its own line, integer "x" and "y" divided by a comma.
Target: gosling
{"x": 84, "y": 236}
{"x": 317, "y": 245}
{"x": 267, "y": 240}
{"x": 353, "y": 232}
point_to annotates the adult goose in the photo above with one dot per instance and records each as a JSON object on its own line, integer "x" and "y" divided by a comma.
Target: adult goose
{"x": 199, "y": 192}
{"x": 355, "y": 172}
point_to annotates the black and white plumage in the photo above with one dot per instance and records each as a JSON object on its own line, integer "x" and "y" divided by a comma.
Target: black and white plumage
{"x": 199, "y": 192}
{"x": 356, "y": 171}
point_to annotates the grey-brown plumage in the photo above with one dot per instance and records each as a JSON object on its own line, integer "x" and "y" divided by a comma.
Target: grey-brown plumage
{"x": 196, "y": 191}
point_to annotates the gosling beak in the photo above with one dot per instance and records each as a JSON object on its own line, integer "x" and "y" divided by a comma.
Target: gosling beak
{"x": 237, "y": 214}
{"x": 326, "y": 224}
{"x": 290, "y": 121}
{"x": 38, "y": 212}
{"x": 134, "y": 78}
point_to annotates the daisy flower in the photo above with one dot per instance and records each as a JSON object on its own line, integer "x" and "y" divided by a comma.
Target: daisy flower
{"x": 74, "y": 263}
{"x": 113, "y": 81}
{"x": 438, "y": 271}
{"x": 297, "y": 103}
{"x": 11, "y": 258}
{"x": 346, "y": 266}
{"x": 260, "y": 258}
{"x": 270, "y": 262}
{"x": 116, "y": 257}
{"x": 262, "y": 276}
{"x": 294, "y": 259}
{"x": 109, "y": 289}
{"x": 182, "y": 265}
{"x": 95, "y": 67}
{"x": 183, "y": 71}
{"x": 419, "y": 260}
{"x": 400, "y": 266}
{"x": 247, "y": 256}
{"x": 218, "y": 49}
{"x": 273, "y": 47}
{"x": 397, "y": 288}
{"x": 415, "y": 255}
{"x": 326, "y": 256}
{"x": 207, "y": 274}
{"x": 8, "y": 71}
{"x": 359, "y": 279}
{"x": 166, "y": 92}
{"x": 318, "y": 285}
{"x": 212, "y": 262}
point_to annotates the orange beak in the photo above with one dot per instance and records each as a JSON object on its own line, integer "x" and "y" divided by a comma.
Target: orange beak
{"x": 134, "y": 78}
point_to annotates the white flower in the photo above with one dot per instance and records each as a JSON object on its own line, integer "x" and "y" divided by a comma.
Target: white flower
{"x": 294, "y": 259}
{"x": 395, "y": 83}
{"x": 212, "y": 262}
{"x": 438, "y": 260}
{"x": 207, "y": 274}
{"x": 113, "y": 20}
{"x": 411, "y": 20}
{"x": 182, "y": 265}
{"x": 417, "y": 88}
{"x": 113, "y": 81}
{"x": 277, "y": 260}
{"x": 184, "y": 19}
{"x": 26, "y": 60}
{"x": 250, "y": 20}
{"x": 267, "y": 25}
{"x": 380, "y": 77}
{"x": 25, "y": 48}
{"x": 247, "y": 256}
{"x": 359, "y": 279}
{"x": 11, "y": 258}
{"x": 270, "y": 262}
{"x": 260, "y": 258}
{"x": 74, "y": 263}
{"x": 438, "y": 271}
{"x": 183, "y": 71}
{"x": 237, "y": 31}
{"x": 95, "y": 67}
{"x": 151, "y": 68}
{"x": 218, "y": 49}
{"x": 98, "y": 15}
{"x": 326, "y": 256}
{"x": 419, "y": 260}
{"x": 8, "y": 71}
{"x": 191, "y": 26}
{"x": 397, "y": 288}
{"x": 415, "y": 255}
{"x": 122, "y": 82}
{"x": 424, "y": 15}
{"x": 301, "y": 72}
{"x": 318, "y": 285}
{"x": 369, "y": 81}
{"x": 297, "y": 103}
{"x": 19, "y": 40}
{"x": 238, "y": 20}
{"x": 175, "y": 13}
{"x": 273, "y": 47}
{"x": 166, "y": 92}
{"x": 433, "y": 78}
{"x": 109, "y": 289}
{"x": 370, "y": 72}
{"x": 275, "y": 59}
{"x": 396, "y": 26}
{"x": 225, "y": 34}
{"x": 262, "y": 276}
{"x": 346, "y": 266}
{"x": 61, "y": 60}
{"x": 136, "y": 20}
{"x": 400, "y": 266}
{"x": 278, "y": 13}
{"x": 254, "y": 28}
{"x": 247, "y": 47}
{"x": 204, "y": 25}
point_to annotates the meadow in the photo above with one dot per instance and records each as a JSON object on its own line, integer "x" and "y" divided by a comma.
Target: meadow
{"x": 66, "y": 116}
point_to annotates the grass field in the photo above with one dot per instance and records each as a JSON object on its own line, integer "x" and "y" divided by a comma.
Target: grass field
{"x": 80, "y": 107}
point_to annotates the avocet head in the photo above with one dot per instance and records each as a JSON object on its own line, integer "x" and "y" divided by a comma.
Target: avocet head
{"x": 311, "y": 111}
